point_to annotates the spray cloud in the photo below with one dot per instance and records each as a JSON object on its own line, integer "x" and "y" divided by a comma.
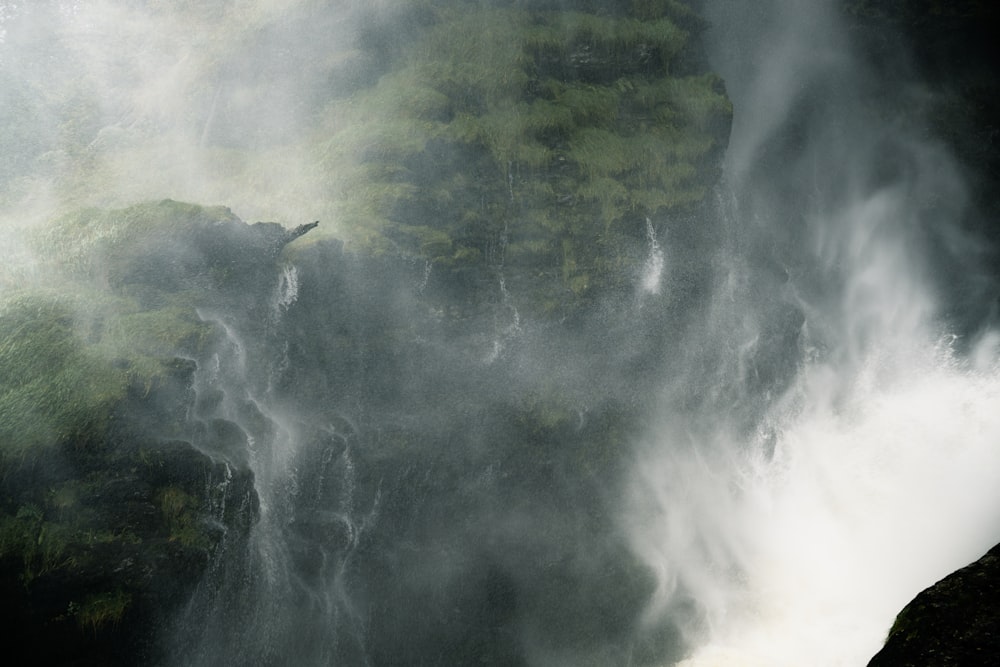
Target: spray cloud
{"x": 866, "y": 466}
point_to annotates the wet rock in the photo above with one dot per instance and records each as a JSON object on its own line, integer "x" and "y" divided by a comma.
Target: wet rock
{"x": 93, "y": 564}
{"x": 954, "y": 622}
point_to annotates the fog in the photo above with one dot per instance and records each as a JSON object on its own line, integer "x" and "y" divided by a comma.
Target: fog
{"x": 109, "y": 103}
{"x": 873, "y": 474}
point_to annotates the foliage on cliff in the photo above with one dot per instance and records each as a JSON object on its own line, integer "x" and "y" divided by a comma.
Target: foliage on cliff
{"x": 51, "y": 388}
{"x": 516, "y": 135}
{"x": 529, "y": 134}
{"x": 114, "y": 302}
{"x": 107, "y": 516}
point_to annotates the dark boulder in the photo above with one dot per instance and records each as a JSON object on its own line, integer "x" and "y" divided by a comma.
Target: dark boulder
{"x": 954, "y": 622}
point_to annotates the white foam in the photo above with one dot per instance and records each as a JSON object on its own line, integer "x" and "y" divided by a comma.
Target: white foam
{"x": 806, "y": 556}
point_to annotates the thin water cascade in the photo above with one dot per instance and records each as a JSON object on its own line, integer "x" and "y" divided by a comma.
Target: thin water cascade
{"x": 287, "y": 290}
{"x": 292, "y": 578}
{"x": 652, "y": 271}
{"x": 507, "y": 325}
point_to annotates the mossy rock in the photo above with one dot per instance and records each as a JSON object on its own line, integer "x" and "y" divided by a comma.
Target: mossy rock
{"x": 96, "y": 554}
{"x": 52, "y": 388}
{"x": 117, "y": 302}
{"x": 107, "y": 517}
{"x": 543, "y": 141}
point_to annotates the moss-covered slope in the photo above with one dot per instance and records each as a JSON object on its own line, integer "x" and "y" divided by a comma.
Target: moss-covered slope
{"x": 108, "y": 513}
{"x": 514, "y": 135}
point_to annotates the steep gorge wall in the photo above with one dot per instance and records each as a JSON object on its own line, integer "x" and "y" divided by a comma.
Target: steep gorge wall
{"x": 178, "y": 396}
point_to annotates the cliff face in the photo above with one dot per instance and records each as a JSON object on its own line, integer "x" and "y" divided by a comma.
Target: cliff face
{"x": 194, "y": 371}
{"x": 110, "y": 509}
{"x": 219, "y": 449}
{"x": 532, "y": 140}
{"x": 102, "y": 547}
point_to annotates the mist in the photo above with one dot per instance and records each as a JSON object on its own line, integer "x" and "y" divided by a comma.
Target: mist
{"x": 867, "y": 470}
{"x": 109, "y": 103}
{"x": 530, "y": 394}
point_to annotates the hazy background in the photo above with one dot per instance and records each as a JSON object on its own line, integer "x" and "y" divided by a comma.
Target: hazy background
{"x": 108, "y": 103}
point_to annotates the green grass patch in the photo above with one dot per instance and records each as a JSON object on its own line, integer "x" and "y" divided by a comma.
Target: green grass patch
{"x": 180, "y": 515}
{"x": 101, "y": 610}
{"x": 52, "y": 388}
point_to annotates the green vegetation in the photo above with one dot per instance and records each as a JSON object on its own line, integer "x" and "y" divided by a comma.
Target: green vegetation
{"x": 117, "y": 303}
{"x": 102, "y": 609}
{"x": 52, "y": 388}
{"x": 535, "y": 138}
{"x": 180, "y": 514}
{"x": 105, "y": 245}
{"x": 41, "y": 545}
{"x": 529, "y": 134}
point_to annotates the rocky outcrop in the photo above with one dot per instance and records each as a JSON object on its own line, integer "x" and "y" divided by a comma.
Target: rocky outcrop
{"x": 119, "y": 485}
{"x": 99, "y": 546}
{"x": 954, "y": 622}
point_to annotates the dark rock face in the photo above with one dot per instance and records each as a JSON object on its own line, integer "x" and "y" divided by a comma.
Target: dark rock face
{"x": 100, "y": 551}
{"x": 954, "y": 622}
{"x": 442, "y": 498}
{"x": 109, "y": 521}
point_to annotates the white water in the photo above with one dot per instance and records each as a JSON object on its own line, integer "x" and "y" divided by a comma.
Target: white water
{"x": 652, "y": 271}
{"x": 877, "y": 472}
{"x": 804, "y": 556}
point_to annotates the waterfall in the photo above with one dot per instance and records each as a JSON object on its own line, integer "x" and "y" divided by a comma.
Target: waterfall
{"x": 871, "y": 470}
{"x": 292, "y": 578}
{"x": 627, "y": 338}
{"x": 287, "y": 290}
